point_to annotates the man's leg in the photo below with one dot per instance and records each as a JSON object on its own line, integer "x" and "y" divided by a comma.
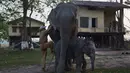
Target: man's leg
{"x": 44, "y": 52}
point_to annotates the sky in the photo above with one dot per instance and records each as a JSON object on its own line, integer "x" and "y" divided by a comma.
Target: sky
{"x": 126, "y": 15}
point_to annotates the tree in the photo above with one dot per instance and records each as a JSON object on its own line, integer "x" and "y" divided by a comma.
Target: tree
{"x": 127, "y": 2}
{"x": 3, "y": 31}
{"x": 13, "y": 9}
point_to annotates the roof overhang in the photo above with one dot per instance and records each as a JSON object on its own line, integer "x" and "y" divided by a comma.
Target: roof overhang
{"x": 28, "y": 18}
{"x": 101, "y": 5}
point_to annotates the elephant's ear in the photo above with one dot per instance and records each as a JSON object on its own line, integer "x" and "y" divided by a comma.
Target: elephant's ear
{"x": 52, "y": 18}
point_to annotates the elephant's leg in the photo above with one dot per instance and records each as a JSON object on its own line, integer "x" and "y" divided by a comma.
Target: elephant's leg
{"x": 92, "y": 58}
{"x": 57, "y": 62}
{"x": 57, "y": 55}
{"x": 65, "y": 36}
{"x": 78, "y": 64}
{"x": 84, "y": 64}
{"x": 68, "y": 64}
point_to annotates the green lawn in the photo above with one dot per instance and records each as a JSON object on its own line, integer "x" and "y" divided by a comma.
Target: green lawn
{"x": 16, "y": 58}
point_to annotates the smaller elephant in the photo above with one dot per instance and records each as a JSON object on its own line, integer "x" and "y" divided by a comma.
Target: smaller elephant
{"x": 76, "y": 50}
{"x": 89, "y": 49}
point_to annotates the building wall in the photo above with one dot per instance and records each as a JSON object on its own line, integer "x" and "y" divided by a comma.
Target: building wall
{"x": 34, "y": 24}
{"x": 109, "y": 16}
{"x": 11, "y": 33}
{"x": 99, "y": 14}
{"x": 17, "y": 33}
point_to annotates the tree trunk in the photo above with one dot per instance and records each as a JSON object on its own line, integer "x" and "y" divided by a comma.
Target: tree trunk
{"x": 30, "y": 33}
{"x": 25, "y": 35}
{"x": 121, "y": 26}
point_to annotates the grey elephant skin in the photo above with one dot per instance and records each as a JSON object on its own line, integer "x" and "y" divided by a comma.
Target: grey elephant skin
{"x": 76, "y": 50}
{"x": 55, "y": 36}
{"x": 63, "y": 19}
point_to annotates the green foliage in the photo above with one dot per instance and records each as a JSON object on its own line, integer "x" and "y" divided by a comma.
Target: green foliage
{"x": 10, "y": 9}
{"x": 53, "y": 3}
{"x": 13, "y": 9}
{"x": 3, "y": 31}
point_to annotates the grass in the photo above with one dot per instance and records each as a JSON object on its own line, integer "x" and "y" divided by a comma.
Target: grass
{"x": 16, "y": 58}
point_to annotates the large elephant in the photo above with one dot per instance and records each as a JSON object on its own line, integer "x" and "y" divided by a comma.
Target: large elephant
{"x": 63, "y": 19}
{"x": 55, "y": 36}
{"x": 76, "y": 50}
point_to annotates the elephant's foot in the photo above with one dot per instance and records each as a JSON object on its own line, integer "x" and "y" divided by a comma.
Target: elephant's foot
{"x": 43, "y": 69}
{"x": 78, "y": 72}
{"x": 92, "y": 69}
{"x": 68, "y": 69}
{"x": 61, "y": 67}
{"x": 83, "y": 69}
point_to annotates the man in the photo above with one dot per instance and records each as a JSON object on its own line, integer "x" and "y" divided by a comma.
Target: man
{"x": 44, "y": 44}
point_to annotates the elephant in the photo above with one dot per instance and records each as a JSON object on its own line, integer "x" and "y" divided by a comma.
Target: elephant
{"x": 54, "y": 35}
{"x": 63, "y": 19}
{"x": 89, "y": 50}
{"x": 76, "y": 50}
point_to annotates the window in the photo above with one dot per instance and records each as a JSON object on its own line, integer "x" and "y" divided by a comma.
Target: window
{"x": 94, "y": 22}
{"x": 14, "y": 29}
{"x": 84, "y": 22}
{"x": 20, "y": 30}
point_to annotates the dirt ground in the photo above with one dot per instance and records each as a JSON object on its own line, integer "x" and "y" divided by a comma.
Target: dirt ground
{"x": 104, "y": 59}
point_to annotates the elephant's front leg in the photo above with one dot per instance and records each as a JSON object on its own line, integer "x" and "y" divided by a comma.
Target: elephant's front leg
{"x": 84, "y": 63}
{"x": 57, "y": 55}
{"x": 92, "y": 58}
{"x": 78, "y": 64}
{"x": 65, "y": 36}
{"x": 68, "y": 64}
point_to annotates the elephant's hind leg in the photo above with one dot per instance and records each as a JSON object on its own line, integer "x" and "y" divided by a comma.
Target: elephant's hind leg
{"x": 78, "y": 64}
